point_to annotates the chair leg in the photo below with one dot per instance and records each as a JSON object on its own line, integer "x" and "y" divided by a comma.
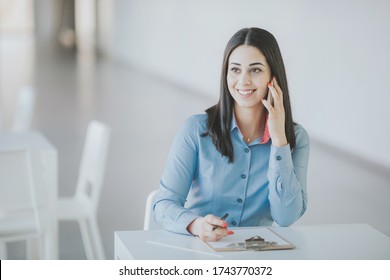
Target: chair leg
{"x": 3, "y": 251}
{"x": 96, "y": 239}
{"x": 86, "y": 236}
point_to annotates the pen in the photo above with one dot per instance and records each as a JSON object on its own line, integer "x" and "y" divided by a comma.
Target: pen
{"x": 223, "y": 218}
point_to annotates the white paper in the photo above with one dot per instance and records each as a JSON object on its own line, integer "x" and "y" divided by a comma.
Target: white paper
{"x": 240, "y": 234}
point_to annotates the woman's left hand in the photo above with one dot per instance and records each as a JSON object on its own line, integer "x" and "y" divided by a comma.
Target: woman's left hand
{"x": 276, "y": 114}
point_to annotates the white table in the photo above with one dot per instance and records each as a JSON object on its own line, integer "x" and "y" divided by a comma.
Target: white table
{"x": 312, "y": 242}
{"x": 41, "y": 148}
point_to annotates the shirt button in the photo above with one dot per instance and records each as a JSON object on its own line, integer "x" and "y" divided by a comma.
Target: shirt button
{"x": 278, "y": 157}
{"x": 239, "y": 200}
{"x": 243, "y": 176}
{"x": 246, "y": 150}
{"x": 234, "y": 223}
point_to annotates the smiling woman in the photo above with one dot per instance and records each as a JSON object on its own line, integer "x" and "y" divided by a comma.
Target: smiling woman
{"x": 245, "y": 156}
{"x": 248, "y": 75}
{"x": 247, "y": 79}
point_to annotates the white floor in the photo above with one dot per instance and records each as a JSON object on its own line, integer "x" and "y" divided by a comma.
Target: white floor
{"x": 144, "y": 113}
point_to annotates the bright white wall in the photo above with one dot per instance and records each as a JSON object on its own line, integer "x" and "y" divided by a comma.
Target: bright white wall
{"x": 336, "y": 54}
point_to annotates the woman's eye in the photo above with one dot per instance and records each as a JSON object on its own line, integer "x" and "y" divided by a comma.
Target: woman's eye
{"x": 234, "y": 69}
{"x": 255, "y": 70}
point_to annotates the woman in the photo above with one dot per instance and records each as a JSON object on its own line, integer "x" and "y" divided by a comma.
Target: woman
{"x": 245, "y": 157}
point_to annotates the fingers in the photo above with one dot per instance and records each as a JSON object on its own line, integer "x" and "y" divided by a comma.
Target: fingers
{"x": 215, "y": 235}
{"x": 277, "y": 87}
{"x": 268, "y": 106}
{"x": 278, "y": 90}
{"x": 275, "y": 97}
{"x": 208, "y": 234}
{"x": 275, "y": 94}
{"x": 215, "y": 221}
{"x": 269, "y": 97}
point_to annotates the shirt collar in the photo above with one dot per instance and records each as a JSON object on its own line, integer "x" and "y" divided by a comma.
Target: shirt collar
{"x": 266, "y": 136}
{"x": 233, "y": 123}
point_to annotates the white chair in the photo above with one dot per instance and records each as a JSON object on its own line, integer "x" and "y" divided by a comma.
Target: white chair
{"x": 19, "y": 210}
{"x": 149, "y": 222}
{"x": 83, "y": 206}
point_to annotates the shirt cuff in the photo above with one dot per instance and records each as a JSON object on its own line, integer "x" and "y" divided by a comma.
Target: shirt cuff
{"x": 280, "y": 158}
{"x": 184, "y": 221}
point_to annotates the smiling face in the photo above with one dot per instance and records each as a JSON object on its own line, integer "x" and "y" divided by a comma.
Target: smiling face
{"x": 247, "y": 76}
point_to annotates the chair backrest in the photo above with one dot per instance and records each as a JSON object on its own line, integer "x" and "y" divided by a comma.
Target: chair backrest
{"x": 17, "y": 191}
{"x": 149, "y": 222}
{"x": 93, "y": 162}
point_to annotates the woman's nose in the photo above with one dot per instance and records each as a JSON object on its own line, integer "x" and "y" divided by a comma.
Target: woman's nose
{"x": 244, "y": 79}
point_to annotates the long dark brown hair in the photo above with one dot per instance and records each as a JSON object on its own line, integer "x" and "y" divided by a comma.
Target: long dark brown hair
{"x": 220, "y": 115}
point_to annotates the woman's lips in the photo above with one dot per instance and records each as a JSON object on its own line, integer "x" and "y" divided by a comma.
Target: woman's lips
{"x": 245, "y": 92}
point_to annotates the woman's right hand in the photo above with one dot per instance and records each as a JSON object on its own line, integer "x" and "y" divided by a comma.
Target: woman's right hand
{"x": 203, "y": 227}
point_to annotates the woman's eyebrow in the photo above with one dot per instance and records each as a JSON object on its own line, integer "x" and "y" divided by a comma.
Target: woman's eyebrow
{"x": 254, "y": 63}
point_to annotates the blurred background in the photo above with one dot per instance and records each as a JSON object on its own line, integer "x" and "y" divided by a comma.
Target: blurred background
{"x": 143, "y": 67}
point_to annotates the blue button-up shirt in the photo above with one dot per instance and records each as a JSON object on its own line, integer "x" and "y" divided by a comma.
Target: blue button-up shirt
{"x": 264, "y": 183}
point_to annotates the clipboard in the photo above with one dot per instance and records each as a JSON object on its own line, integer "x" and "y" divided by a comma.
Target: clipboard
{"x": 251, "y": 239}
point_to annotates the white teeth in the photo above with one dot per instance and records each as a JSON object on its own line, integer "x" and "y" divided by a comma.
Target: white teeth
{"x": 246, "y": 92}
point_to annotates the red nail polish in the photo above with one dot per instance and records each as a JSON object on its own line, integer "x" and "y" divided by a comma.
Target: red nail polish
{"x": 225, "y": 224}
{"x": 230, "y": 232}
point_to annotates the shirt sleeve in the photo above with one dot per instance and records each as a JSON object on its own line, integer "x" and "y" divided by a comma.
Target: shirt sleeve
{"x": 287, "y": 175}
{"x": 176, "y": 180}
